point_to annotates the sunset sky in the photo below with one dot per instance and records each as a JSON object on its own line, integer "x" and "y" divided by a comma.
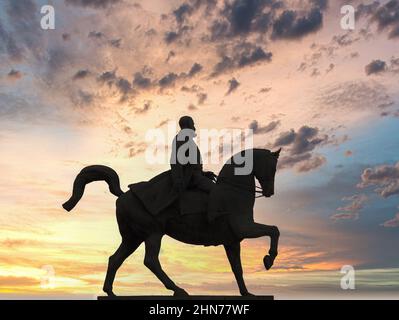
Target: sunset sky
{"x": 88, "y": 91}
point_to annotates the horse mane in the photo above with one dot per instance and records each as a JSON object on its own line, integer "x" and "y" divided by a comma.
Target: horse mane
{"x": 257, "y": 153}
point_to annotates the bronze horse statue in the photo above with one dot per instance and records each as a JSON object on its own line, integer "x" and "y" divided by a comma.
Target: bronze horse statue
{"x": 235, "y": 194}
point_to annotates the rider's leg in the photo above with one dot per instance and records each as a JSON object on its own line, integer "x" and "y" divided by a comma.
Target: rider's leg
{"x": 201, "y": 182}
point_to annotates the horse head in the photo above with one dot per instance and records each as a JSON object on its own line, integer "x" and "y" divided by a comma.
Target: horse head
{"x": 265, "y": 171}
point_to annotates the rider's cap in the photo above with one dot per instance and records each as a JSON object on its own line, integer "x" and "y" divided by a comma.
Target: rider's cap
{"x": 186, "y": 122}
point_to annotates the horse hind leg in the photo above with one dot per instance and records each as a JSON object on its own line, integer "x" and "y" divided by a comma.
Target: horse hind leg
{"x": 151, "y": 261}
{"x": 116, "y": 260}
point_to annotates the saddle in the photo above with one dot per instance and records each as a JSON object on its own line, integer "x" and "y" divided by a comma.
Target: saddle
{"x": 158, "y": 193}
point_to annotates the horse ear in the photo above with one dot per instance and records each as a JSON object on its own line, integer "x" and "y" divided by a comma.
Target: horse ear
{"x": 277, "y": 153}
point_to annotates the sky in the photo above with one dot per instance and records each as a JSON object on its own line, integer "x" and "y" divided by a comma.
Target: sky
{"x": 88, "y": 91}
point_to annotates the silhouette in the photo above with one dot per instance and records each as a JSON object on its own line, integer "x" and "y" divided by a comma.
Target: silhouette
{"x": 150, "y": 210}
{"x": 189, "y": 174}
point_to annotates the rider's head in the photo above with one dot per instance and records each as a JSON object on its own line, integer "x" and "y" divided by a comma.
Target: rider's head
{"x": 186, "y": 122}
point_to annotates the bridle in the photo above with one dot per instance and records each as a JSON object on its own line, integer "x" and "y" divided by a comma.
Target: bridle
{"x": 245, "y": 187}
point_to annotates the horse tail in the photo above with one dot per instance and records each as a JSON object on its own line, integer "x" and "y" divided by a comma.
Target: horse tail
{"x": 88, "y": 175}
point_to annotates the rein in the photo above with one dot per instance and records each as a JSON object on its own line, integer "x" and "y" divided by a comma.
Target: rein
{"x": 244, "y": 187}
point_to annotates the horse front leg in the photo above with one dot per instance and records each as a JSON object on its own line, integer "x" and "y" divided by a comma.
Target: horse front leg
{"x": 253, "y": 230}
{"x": 233, "y": 252}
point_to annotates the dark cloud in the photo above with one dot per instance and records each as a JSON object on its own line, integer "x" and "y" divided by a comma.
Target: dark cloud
{"x": 258, "y": 54}
{"x": 196, "y": 68}
{"x": 201, "y": 98}
{"x": 81, "y": 74}
{"x": 82, "y": 98}
{"x": 291, "y": 26}
{"x": 384, "y": 177}
{"x": 298, "y": 148}
{"x": 168, "y": 81}
{"x": 141, "y": 81}
{"x": 233, "y": 85}
{"x": 96, "y": 4}
{"x": 240, "y": 17}
{"x": 194, "y": 88}
{"x": 181, "y": 12}
{"x": 124, "y": 86}
{"x": 265, "y": 90}
{"x": 171, "y": 36}
{"x": 116, "y": 43}
{"x": 257, "y": 129}
{"x": 108, "y": 77}
{"x": 285, "y": 138}
{"x": 243, "y": 55}
{"x": 14, "y": 74}
{"x": 66, "y": 36}
{"x": 375, "y": 67}
{"x": 22, "y": 33}
{"x": 144, "y": 109}
{"x": 96, "y": 35}
{"x": 385, "y": 15}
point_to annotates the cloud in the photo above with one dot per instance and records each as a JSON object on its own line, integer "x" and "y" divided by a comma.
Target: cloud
{"x": 243, "y": 55}
{"x": 202, "y": 98}
{"x": 233, "y": 85}
{"x": 257, "y": 129}
{"x": 376, "y": 67}
{"x": 385, "y": 15}
{"x": 304, "y": 140}
{"x": 298, "y": 147}
{"x": 289, "y": 26}
{"x": 141, "y": 81}
{"x": 96, "y": 4}
{"x": 14, "y": 74}
{"x": 168, "y": 80}
{"x": 393, "y": 223}
{"x": 353, "y": 95}
{"x": 171, "y": 36}
{"x": 352, "y": 210}
{"x": 81, "y": 74}
{"x": 144, "y": 109}
{"x": 241, "y": 17}
{"x": 313, "y": 163}
{"x": 384, "y": 177}
{"x": 195, "y": 69}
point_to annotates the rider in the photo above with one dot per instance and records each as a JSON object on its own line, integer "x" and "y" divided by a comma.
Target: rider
{"x": 186, "y": 160}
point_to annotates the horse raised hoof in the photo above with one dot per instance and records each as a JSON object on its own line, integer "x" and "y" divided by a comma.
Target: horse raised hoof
{"x": 180, "y": 293}
{"x": 268, "y": 262}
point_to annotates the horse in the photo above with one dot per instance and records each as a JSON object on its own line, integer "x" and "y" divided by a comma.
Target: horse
{"x": 137, "y": 225}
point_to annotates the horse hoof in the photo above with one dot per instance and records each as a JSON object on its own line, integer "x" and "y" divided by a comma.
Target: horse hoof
{"x": 180, "y": 293}
{"x": 109, "y": 292}
{"x": 268, "y": 262}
